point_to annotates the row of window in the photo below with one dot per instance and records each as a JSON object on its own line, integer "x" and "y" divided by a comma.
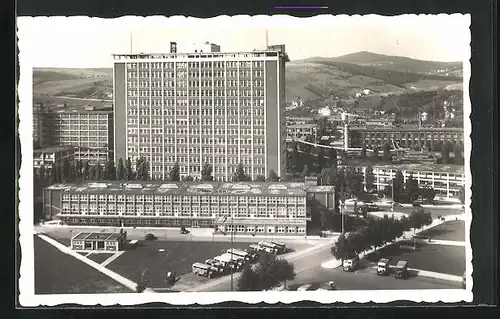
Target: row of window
{"x": 203, "y": 64}
{"x": 245, "y": 112}
{"x": 146, "y": 103}
{"x": 263, "y": 229}
{"x": 186, "y": 199}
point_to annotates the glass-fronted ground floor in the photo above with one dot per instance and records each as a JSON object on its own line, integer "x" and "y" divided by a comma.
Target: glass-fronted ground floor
{"x": 283, "y": 227}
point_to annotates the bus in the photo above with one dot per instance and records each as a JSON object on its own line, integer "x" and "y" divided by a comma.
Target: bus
{"x": 269, "y": 247}
{"x": 240, "y": 253}
{"x": 200, "y": 269}
{"x": 229, "y": 263}
{"x": 281, "y": 246}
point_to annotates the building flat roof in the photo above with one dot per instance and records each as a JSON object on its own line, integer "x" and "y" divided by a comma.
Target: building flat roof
{"x": 97, "y": 236}
{"x": 193, "y": 188}
{"x": 151, "y": 55}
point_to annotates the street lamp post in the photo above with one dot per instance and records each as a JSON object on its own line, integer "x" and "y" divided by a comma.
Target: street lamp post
{"x": 232, "y": 242}
{"x": 392, "y": 194}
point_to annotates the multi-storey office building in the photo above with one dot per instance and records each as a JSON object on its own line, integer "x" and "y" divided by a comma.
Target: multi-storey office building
{"x": 300, "y": 131}
{"x": 432, "y": 138}
{"x": 202, "y": 107}
{"x": 261, "y": 208}
{"x": 50, "y": 156}
{"x": 41, "y": 126}
{"x": 445, "y": 179}
{"x": 89, "y": 130}
{"x": 290, "y": 120}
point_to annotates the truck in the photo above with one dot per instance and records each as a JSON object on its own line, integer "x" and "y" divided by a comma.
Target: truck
{"x": 401, "y": 270}
{"x": 350, "y": 264}
{"x": 383, "y": 267}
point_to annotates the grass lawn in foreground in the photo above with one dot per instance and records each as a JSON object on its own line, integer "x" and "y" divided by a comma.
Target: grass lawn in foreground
{"x": 59, "y": 273}
{"x": 99, "y": 258}
{"x": 159, "y": 257}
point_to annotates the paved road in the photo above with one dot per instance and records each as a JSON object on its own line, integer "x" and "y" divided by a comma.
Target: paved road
{"x": 435, "y": 211}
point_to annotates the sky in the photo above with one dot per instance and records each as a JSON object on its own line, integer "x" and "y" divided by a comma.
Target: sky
{"x": 82, "y": 42}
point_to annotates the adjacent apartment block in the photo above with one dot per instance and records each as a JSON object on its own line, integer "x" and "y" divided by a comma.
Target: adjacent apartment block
{"x": 202, "y": 107}
{"x": 50, "y": 156}
{"x": 245, "y": 208}
{"x": 89, "y": 130}
{"x": 300, "y": 131}
{"x": 41, "y": 126}
{"x": 445, "y": 179}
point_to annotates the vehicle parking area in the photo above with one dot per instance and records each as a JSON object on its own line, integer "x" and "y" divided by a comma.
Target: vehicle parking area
{"x": 446, "y": 259}
{"x": 450, "y": 230}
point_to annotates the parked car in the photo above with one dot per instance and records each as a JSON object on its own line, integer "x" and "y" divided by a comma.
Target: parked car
{"x": 305, "y": 287}
{"x": 170, "y": 277}
{"x": 329, "y": 285}
{"x": 150, "y": 236}
{"x": 350, "y": 264}
{"x": 416, "y": 204}
{"x": 184, "y": 230}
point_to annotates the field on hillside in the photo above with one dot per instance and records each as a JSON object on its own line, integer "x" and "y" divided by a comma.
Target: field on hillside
{"x": 71, "y": 82}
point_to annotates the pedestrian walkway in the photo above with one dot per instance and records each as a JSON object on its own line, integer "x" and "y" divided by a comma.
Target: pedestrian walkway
{"x": 112, "y": 258}
{"x": 122, "y": 280}
{"x": 445, "y": 242}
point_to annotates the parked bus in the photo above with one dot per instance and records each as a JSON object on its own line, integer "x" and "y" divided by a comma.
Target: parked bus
{"x": 240, "y": 253}
{"x": 225, "y": 259}
{"x": 200, "y": 269}
{"x": 268, "y": 247}
{"x": 281, "y": 247}
{"x": 218, "y": 266}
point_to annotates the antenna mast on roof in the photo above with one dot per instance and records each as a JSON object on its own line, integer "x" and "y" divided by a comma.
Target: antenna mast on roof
{"x": 267, "y": 40}
{"x": 130, "y": 42}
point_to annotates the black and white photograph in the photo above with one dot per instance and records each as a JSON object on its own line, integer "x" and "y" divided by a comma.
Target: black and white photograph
{"x": 267, "y": 158}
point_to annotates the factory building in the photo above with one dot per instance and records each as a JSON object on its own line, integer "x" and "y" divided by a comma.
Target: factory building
{"x": 245, "y": 208}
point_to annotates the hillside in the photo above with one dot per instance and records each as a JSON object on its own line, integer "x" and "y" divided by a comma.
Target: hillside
{"x": 393, "y": 63}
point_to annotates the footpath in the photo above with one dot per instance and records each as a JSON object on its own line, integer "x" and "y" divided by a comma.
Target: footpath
{"x": 335, "y": 263}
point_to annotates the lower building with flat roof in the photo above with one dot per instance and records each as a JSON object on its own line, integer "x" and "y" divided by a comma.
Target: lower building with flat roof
{"x": 245, "y": 208}
{"x": 99, "y": 241}
{"x": 50, "y": 156}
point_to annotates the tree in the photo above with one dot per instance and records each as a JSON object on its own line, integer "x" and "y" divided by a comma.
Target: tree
{"x": 93, "y": 173}
{"x": 271, "y": 271}
{"x": 306, "y": 147}
{"x": 110, "y": 170}
{"x": 326, "y": 219}
{"x": 239, "y": 174}
{"x": 354, "y": 181}
{"x": 72, "y": 172}
{"x": 333, "y": 158}
{"x": 260, "y": 178}
{"x": 375, "y": 152}
{"x": 461, "y": 195}
{"x": 445, "y": 152}
{"x": 188, "y": 178}
{"x": 363, "y": 150}
{"x": 369, "y": 178}
{"x": 419, "y": 218}
{"x": 428, "y": 194}
{"x": 398, "y": 185}
{"x": 248, "y": 281}
{"x": 206, "y": 173}
{"x": 273, "y": 177}
{"x": 79, "y": 167}
{"x": 128, "y": 170}
{"x": 305, "y": 171}
{"x": 174, "y": 175}
{"x": 65, "y": 170}
{"x": 120, "y": 170}
{"x": 86, "y": 171}
{"x": 142, "y": 169}
{"x": 320, "y": 160}
{"x": 342, "y": 248}
{"x": 98, "y": 171}
{"x": 412, "y": 190}
{"x": 387, "y": 152}
{"x": 53, "y": 174}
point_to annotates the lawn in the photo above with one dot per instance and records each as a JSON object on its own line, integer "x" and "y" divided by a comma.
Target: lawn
{"x": 99, "y": 258}
{"x": 437, "y": 258}
{"x": 176, "y": 256}
{"x": 58, "y": 273}
{"x": 451, "y": 230}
